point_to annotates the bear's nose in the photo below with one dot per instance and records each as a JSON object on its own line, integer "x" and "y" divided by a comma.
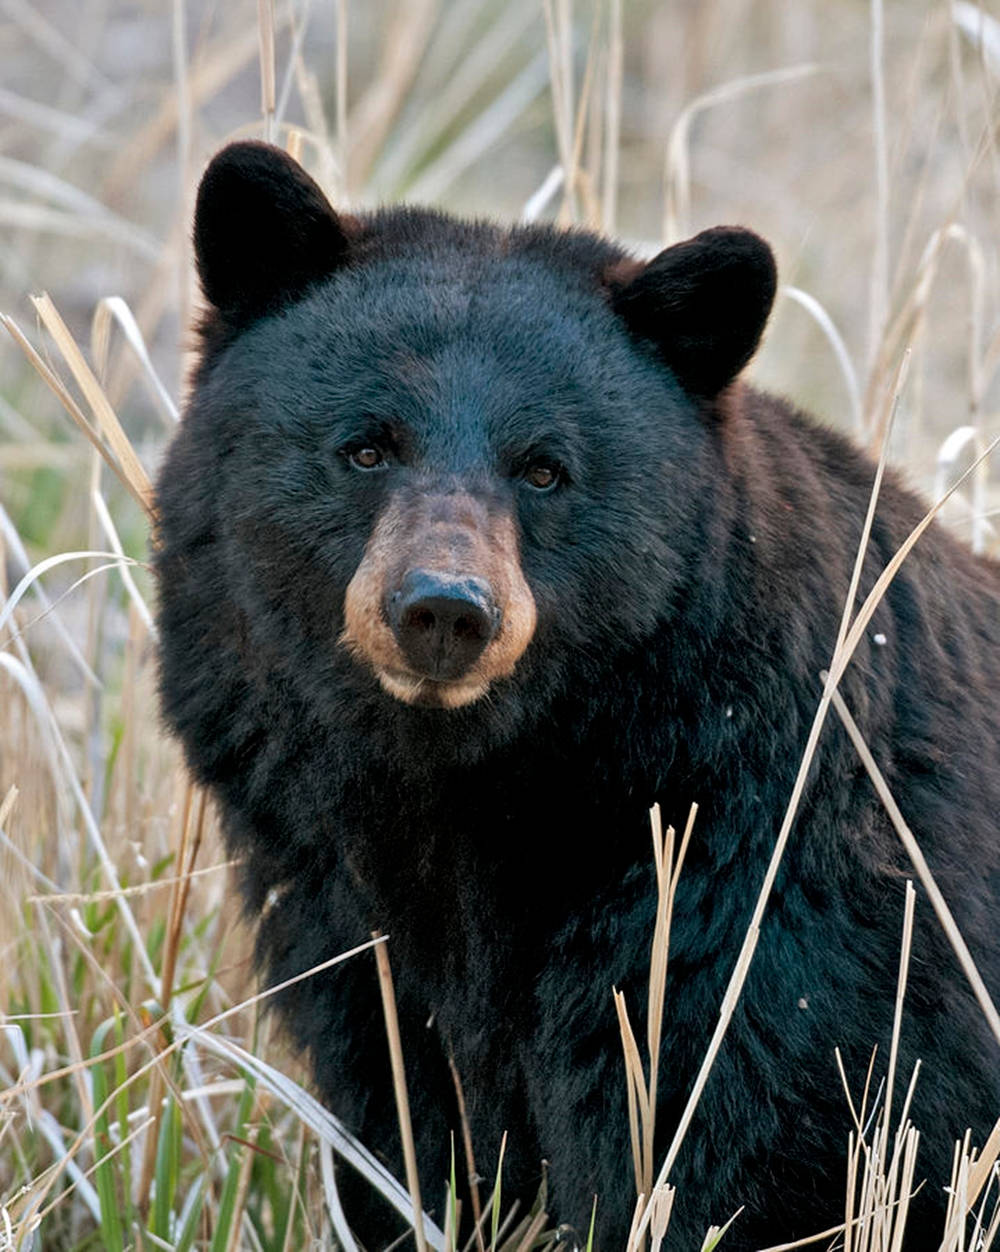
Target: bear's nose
{"x": 442, "y": 622}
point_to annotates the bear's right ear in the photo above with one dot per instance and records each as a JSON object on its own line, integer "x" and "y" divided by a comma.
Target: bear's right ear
{"x": 263, "y": 231}
{"x": 702, "y": 304}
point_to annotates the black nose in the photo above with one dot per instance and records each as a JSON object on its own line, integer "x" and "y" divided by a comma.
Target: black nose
{"x": 442, "y": 622}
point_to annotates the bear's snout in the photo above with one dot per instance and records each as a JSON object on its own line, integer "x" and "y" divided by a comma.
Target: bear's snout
{"x": 442, "y": 622}
{"x": 439, "y": 606}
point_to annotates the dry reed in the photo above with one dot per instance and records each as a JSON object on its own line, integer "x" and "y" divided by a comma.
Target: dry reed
{"x": 124, "y": 971}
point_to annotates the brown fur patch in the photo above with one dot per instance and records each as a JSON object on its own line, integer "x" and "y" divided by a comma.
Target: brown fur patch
{"x": 620, "y": 273}
{"x": 452, "y": 533}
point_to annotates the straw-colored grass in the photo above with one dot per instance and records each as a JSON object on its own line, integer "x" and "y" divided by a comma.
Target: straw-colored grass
{"x": 144, "y": 1099}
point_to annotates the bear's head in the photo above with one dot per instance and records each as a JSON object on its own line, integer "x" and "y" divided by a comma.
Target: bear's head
{"x": 440, "y": 454}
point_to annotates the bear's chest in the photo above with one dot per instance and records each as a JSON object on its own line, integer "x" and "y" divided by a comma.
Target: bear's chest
{"x": 475, "y": 882}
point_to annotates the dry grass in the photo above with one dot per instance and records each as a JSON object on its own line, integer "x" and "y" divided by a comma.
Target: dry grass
{"x": 142, "y": 1099}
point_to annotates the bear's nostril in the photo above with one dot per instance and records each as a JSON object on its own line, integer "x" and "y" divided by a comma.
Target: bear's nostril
{"x": 468, "y": 628}
{"x": 442, "y": 622}
{"x": 420, "y": 619}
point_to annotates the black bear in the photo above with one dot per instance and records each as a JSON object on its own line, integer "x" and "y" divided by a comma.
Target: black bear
{"x": 472, "y": 545}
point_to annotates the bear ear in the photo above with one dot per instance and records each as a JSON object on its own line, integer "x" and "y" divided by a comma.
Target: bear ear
{"x": 263, "y": 231}
{"x": 703, "y": 303}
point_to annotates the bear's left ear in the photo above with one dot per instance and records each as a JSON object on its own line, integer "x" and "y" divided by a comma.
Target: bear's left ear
{"x": 703, "y": 303}
{"x": 263, "y": 231}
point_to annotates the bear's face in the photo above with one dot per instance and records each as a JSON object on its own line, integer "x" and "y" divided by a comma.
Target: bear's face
{"x": 437, "y": 450}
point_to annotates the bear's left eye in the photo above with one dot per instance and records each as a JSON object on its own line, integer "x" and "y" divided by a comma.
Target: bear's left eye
{"x": 367, "y": 458}
{"x": 543, "y": 476}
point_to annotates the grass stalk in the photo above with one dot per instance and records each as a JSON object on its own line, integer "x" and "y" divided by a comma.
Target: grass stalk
{"x": 340, "y": 80}
{"x": 184, "y": 119}
{"x": 265, "y": 29}
{"x": 472, "y": 1174}
{"x": 399, "y": 1087}
{"x": 59, "y": 389}
{"x": 878, "y": 297}
{"x": 612, "y": 118}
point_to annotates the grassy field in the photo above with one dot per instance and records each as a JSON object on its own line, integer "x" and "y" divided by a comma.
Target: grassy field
{"x": 859, "y": 138}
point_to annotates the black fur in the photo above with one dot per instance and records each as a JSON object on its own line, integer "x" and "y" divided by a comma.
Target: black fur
{"x": 689, "y": 573}
{"x": 263, "y": 232}
{"x": 703, "y": 303}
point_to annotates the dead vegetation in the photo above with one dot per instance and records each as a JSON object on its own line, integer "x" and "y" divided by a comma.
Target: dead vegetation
{"x": 143, "y": 1101}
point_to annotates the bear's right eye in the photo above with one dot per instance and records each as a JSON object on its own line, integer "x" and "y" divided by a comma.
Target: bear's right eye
{"x": 542, "y": 477}
{"x": 368, "y": 458}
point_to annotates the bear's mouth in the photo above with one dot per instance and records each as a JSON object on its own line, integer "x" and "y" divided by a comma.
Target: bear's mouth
{"x": 432, "y": 693}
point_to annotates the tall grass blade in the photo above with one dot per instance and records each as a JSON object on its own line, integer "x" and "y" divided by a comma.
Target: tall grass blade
{"x": 104, "y": 1172}
{"x": 497, "y": 1191}
{"x": 228, "y": 1216}
{"x": 165, "y": 1173}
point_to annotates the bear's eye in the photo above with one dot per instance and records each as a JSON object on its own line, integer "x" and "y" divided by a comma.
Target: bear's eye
{"x": 542, "y": 476}
{"x": 366, "y": 458}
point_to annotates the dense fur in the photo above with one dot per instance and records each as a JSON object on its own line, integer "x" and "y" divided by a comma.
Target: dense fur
{"x": 687, "y": 569}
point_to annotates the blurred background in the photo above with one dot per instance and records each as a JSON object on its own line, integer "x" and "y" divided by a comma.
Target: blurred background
{"x": 846, "y": 132}
{"x": 858, "y": 136}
